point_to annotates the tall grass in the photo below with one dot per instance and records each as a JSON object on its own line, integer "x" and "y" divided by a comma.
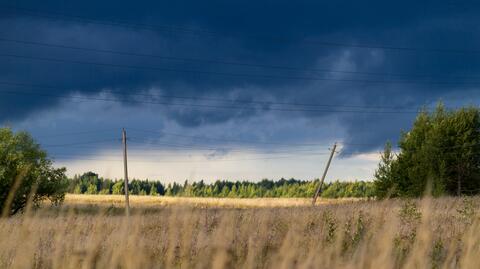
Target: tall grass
{"x": 146, "y": 201}
{"x": 427, "y": 233}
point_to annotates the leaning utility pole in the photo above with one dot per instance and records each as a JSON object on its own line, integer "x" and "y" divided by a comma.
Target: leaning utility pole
{"x": 124, "y": 141}
{"x": 319, "y": 189}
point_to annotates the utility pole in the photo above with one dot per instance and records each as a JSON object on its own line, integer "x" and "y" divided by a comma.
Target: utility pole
{"x": 319, "y": 189}
{"x": 124, "y": 141}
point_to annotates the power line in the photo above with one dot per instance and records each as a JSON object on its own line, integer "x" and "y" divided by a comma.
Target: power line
{"x": 198, "y": 106}
{"x": 219, "y": 62}
{"x": 73, "y": 146}
{"x": 191, "y": 147}
{"x": 200, "y": 147}
{"x": 182, "y": 30}
{"x": 197, "y": 98}
{"x": 81, "y": 143}
{"x": 196, "y": 147}
{"x": 177, "y": 147}
{"x": 428, "y": 146}
{"x": 289, "y": 152}
{"x": 96, "y": 131}
{"x": 199, "y": 161}
{"x": 252, "y": 102}
{"x": 182, "y": 154}
{"x": 244, "y": 75}
{"x": 218, "y": 138}
{"x": 181, "y": 149}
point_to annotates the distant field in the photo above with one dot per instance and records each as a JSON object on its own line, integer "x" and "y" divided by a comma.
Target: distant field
{"x": 136, "y": 200}
{"x": 91, "y": 231}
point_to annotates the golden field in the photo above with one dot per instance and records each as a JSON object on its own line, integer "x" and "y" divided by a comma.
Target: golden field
{"x": 92, "y": 232}
{"x": 144, "y": 201}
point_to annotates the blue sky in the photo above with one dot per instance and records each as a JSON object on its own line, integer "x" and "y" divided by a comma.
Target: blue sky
{"x": 231, "y": 89}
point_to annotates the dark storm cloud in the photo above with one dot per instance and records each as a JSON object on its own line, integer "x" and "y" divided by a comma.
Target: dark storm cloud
{"x": 273, "y": 33}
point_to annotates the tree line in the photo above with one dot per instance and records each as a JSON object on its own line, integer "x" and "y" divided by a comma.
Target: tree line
{"x": 91, "y": 183}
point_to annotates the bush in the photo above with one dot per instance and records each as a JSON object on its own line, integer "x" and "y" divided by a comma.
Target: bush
{"x": 26, "y": 174}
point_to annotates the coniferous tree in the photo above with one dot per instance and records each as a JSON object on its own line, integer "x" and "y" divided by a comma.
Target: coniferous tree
{"x": 153, "y": 190}
{"x": 441, "y": 154}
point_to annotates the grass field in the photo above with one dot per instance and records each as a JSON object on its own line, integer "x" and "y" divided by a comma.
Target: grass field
{"x": 145, "y": 201}
{"x": 91, "y": 232}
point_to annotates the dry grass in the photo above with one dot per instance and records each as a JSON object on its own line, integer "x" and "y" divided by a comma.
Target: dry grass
{"x": 144, "y": 201}
{"x": 440, "y": 233}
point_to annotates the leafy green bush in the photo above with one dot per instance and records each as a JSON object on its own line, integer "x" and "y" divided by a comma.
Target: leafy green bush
{"x": 26, "y": 174}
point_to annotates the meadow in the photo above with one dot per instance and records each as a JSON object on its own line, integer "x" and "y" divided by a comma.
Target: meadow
{"x": 92, "y": 232}
{"x": 142, "y": 201}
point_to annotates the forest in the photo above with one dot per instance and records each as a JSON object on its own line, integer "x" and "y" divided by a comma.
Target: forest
{"x": 91, "y": 183}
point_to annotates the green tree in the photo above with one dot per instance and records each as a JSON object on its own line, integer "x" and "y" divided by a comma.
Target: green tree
{"x": 153, "y": 190}
{"x": 385, "y": 185}
{"x": 233, "y": 192}
{"x": 225, "y": 191}
{"x": 216, "y": 190}
{"x": 441, "y": 154}
{"x": 117, "y": 188}
{"x": 134, "y": 187}
{"x": 92, "y": 189}
{"x": 77, "y": 190}
{"x": 26, "y": 172}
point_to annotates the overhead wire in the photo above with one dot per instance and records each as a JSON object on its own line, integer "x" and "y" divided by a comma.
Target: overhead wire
{"x": 96, "y": 131}
{"x": 203, "y": 106}
{"x": 242, "y": 75}
{"x": 194, "y": 98}
{"x": 219, "y": 138}
{"x": 82, "y": 143}
{"x": 215, "y": 61}
{"x": 156, "y": 144}
{"x": 182, "y": 30}
{"x": 141, "y": 154}
{"x": 201, "y": 161}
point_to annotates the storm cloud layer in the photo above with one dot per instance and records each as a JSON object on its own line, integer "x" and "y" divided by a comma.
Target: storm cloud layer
{"x": 350, "y": 71}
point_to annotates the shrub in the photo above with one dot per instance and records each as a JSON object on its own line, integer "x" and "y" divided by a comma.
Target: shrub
{"x": 26, "y": 174}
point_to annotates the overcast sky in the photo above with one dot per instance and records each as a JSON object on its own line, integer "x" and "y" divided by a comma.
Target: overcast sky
{"x": 239, "y": 90}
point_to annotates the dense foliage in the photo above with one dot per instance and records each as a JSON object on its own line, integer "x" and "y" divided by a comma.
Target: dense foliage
{"x": 26, "y": 174}
{"x": 441, "y": 154}
{"x": 90, "y": 183}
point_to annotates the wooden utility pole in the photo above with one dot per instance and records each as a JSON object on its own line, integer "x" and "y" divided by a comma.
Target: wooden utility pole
{"x": 319, "y": 189}
{"x": 127, "y": 202}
